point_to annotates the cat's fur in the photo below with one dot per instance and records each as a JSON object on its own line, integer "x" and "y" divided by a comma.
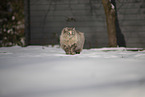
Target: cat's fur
{"x": 71, "y": 41}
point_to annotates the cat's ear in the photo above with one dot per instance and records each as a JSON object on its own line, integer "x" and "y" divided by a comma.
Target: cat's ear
{"x": 66, "y": 29}
{"x": 74, "y": 28}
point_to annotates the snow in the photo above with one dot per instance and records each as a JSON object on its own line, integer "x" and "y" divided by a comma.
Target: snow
{"x": 37, "y": 71}
{"x": 112, "y": 6}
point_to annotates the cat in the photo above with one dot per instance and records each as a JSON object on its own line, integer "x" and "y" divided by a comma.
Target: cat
{"x": 71, "y": 40}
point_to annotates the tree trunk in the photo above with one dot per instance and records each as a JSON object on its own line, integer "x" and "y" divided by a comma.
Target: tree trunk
{"x": 110, "y": 20}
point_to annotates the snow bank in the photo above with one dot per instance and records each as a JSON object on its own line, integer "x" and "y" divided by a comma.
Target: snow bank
{"x": 37, "y": 71}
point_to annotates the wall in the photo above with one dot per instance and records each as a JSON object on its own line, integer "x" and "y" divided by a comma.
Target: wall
{"x": 131, "y": 16}
{"x": 48, "y": 17}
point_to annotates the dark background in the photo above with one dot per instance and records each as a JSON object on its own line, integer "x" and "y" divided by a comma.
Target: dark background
{"x": 46, "y": 18}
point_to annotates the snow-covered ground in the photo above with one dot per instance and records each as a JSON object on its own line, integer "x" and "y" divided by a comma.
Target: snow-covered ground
{"x": 37, "y": 71}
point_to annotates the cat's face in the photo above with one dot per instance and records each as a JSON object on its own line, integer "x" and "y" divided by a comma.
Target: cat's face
{"x": 69, "y": 31}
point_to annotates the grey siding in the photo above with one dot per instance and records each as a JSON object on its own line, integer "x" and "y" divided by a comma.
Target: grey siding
{"x": 49, "y": 17}
{"x": 131, "y": 15}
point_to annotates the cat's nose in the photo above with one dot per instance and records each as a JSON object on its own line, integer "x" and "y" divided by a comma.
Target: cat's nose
{"x": 70, "y": 32}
